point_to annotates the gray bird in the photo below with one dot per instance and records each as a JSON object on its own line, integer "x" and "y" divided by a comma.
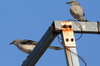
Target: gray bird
{"x": 77, "y": 11}
{"x": 28, "y": 45}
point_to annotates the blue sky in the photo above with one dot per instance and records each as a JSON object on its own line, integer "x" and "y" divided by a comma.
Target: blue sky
{"x": 29, "y": 19}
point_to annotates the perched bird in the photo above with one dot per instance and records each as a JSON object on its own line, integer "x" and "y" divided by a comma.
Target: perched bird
{"x": 77, "y": 11}
{"x": 28, "y": 45}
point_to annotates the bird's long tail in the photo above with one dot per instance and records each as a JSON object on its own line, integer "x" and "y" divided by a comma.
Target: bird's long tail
{"x": 55, "y": 48}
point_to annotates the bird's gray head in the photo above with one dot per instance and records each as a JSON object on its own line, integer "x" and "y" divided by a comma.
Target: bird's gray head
{"x": 73, "y": 3}
{"x": 15, "y": 42}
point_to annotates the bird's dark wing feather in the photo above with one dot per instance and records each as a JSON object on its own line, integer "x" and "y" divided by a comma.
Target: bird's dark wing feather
{"x": 55, "y": 47}
{"x": 29, "y": 42}
{"x": 83, "y": 11}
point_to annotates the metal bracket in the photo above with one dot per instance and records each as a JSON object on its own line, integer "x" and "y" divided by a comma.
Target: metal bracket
{"x": 67, "y": 33}
{"x": 69, "y": 43}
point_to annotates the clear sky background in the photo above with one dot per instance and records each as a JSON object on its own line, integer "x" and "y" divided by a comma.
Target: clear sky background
{"x": 29, "y": 19}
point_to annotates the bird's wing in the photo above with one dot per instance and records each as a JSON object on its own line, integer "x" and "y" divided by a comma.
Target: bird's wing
{"x": 55, "y": 47}
{"x": 29, "y": 42}
{"x": 74, "y": 11}
{"x": 77, "y": 12}
{"x": 83, "y": 11}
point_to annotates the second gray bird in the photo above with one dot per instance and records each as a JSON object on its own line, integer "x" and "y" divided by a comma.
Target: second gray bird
{"x": 77, "y": 11}
{"x": 28, "y": 45}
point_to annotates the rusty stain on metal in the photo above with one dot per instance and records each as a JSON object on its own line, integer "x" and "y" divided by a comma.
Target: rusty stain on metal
{"x": 68, "y": 34}
{"x": 65, "y": 26}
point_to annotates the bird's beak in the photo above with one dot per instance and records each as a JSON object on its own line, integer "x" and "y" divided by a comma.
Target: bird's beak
{"x": 11, "y": 43}
{"x": 68, "y": 3}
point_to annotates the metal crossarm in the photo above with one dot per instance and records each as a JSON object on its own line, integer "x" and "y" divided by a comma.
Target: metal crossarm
{"x": 82, "y": 27}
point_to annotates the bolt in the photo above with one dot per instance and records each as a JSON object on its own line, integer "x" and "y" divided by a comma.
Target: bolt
{"x": 72, "y": 39}
{"x": 70, "y": 26}
{"x": 65, "y": 26}
{"x": 67, "y": 39}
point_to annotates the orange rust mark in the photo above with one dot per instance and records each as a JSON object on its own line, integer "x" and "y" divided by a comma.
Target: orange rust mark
{"x": 67, "y": 29}
{"x": 66, "y": 25}
{"x": 67, "y": 33}
{"x": 66, "y": 21}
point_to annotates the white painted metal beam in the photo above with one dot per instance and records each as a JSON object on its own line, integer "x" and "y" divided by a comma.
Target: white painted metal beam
{"x": 81, "y": 27}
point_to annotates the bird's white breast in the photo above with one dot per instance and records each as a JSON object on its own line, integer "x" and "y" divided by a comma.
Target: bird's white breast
{"x": 26, "y": 48}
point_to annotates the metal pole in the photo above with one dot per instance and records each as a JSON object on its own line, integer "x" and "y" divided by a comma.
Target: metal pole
{"x": 69, "y": 44}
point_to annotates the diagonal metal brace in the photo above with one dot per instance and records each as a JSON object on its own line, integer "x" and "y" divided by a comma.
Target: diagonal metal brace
{"x": 41, "y": 47}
